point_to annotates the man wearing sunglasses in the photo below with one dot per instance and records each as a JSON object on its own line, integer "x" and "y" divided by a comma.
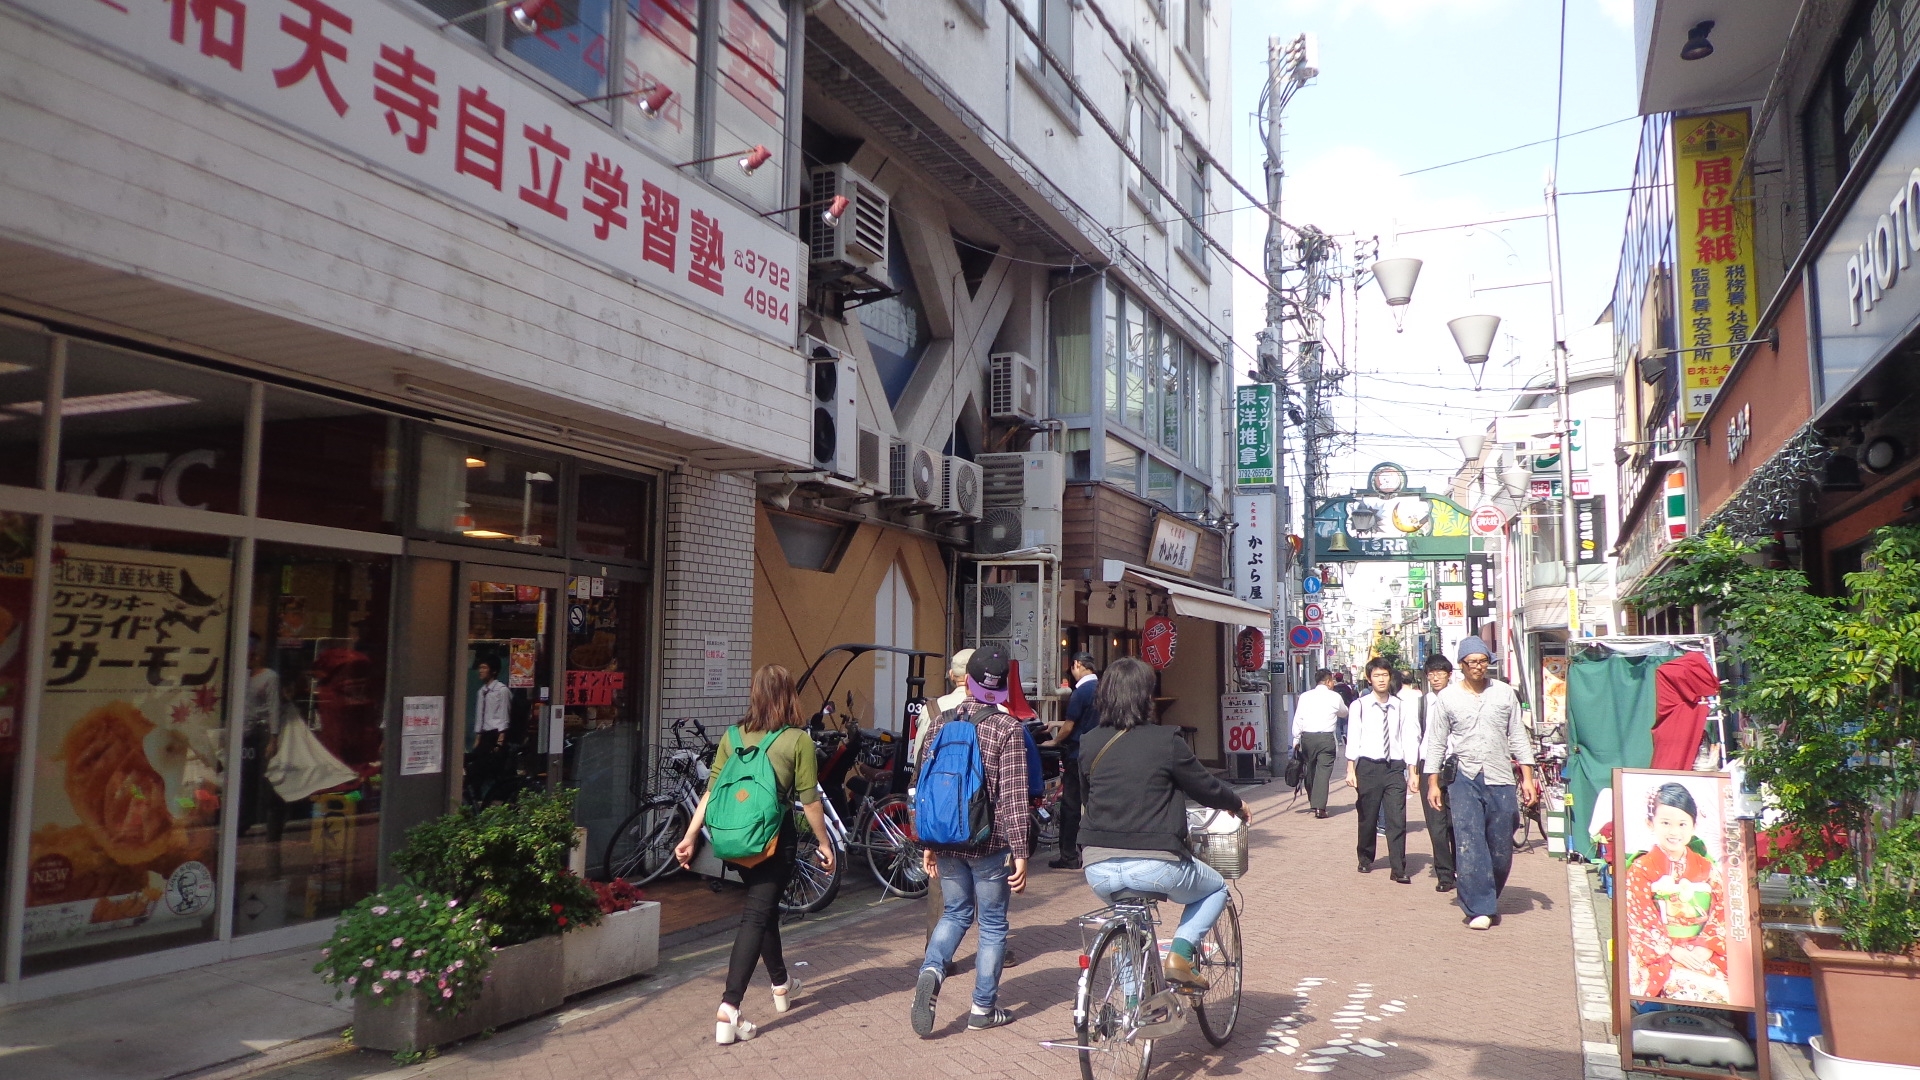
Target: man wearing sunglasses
{"x": 1477, "y": 734}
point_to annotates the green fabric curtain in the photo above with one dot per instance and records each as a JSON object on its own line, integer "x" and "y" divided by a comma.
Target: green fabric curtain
{"x": 1610, "y": 702}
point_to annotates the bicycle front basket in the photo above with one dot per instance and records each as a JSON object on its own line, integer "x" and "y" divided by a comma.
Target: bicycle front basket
{"x": 1219, "y": 840}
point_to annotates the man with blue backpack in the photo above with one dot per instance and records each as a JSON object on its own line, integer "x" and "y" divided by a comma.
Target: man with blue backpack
{"x": 970, "y": 812}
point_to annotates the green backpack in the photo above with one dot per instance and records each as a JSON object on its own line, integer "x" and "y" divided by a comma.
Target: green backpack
{"x": 744, "y": 812}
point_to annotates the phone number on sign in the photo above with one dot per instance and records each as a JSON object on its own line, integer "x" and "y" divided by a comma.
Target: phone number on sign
{"x": 758, "y": 265}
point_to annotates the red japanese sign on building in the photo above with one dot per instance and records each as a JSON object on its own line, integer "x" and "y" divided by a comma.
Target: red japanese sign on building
{"x": 383, "y": 87}
{"x": 1716, "y": 251}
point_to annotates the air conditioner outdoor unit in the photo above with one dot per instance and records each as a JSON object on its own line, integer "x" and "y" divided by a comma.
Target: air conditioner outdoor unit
{"x": 913, "y": 475}
{"x": 1010, "y": 616}
{"x": 960, "y": 488}
{"x": 853, "y": 252}
{"x": 834, "y": 383}
{"x": 873, "y": 459}
{"x": 1036, "y": 480}
{"x": 1013, "y": 387}
{"x": 1011, "y": 528}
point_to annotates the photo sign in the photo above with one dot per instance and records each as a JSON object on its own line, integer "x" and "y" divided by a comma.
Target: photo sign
{"x": 383, "y": 86}
{"x": 1253, "y": 435}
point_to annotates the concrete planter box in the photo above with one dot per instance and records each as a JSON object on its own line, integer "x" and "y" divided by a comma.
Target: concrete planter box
{"x": 525, "y": 980}
{"x": 624, "y": 944}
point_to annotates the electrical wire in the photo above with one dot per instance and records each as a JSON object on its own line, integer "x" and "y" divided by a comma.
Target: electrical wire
{"x": 1525, "y": 146}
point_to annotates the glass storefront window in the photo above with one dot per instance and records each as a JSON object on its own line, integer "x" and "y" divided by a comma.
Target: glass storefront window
{"x": 605, "y": 621}
{"x": 569, "y": 42}
{"x": 750, "y": 107}
{"x": 146, "y": 430}
{"x": 663, "y": 50}
{"x": 312, "y": 732}
{"x": 324, "y": 462}
{"x": 483, "y": 492}
{"x": 16, "y": 612}
{"x": 610, "y": 517}
{"x": 130, "y": 786}
{"x": 509, "y": 681}
{"x": 23, "y": 389}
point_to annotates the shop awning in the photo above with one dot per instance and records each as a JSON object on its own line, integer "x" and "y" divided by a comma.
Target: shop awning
{"x": 1196, "y": 602}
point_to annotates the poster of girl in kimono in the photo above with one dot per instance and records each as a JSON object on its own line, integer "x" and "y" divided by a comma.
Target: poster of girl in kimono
{"x": 1683, "y": 889}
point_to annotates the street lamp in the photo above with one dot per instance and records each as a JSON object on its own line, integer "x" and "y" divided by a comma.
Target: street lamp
{"x": 1471, "y": 445}
{"x": 1474, "y": 335}
{"x": 1396, "y": 278}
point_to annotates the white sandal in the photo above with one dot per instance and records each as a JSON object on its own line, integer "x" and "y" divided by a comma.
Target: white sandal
{"x": 728, "y": 1027}
{"x": 783, "y": 995}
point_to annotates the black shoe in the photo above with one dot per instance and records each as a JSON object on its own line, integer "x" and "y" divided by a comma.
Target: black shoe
{"x": 1366, "y": 868}
{"x": 1064, "y": 863}
{"x": 992, "y": 1018}
{"x": 1319, "y": 813}
{"x": 926, "y": 993}
{"x": 1445, "y": 886}
{"x": 1401, "y": 879}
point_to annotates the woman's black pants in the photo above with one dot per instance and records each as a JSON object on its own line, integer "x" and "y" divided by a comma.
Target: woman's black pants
{"x": 759, "y": 935}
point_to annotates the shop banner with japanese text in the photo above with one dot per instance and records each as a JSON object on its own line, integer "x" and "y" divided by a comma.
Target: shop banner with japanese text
{"x": 1253, "y": 435}
{"x": 379, "y": 83}
{"x": 1715, "y": 220}
{"x": 1257, "y": 559}
{"x": 127, "y": 784}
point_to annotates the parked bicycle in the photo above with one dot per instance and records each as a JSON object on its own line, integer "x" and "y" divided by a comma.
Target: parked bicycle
{"x": 641, "y": 849}
{"x": 882, "y": 830}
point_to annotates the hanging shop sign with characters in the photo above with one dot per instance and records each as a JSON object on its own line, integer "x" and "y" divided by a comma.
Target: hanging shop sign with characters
{"x": 1256, "y": 555}
{"x": 1373, "y": 527}
{"x": 1715, "y": 220}
{"x": 1253, "y": 435}
{"x": 128, "y": 786}
{"x": 1174, "y": 544}
{"x": 384, "y": 87}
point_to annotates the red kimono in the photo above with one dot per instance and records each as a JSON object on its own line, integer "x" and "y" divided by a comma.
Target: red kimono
{"x": 1676, "y": 906}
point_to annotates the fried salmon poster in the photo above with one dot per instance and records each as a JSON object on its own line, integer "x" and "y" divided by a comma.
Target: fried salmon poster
{"x": 127, "y": 781}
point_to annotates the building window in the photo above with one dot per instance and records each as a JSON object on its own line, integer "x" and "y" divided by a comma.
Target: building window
{"x": 1158, "y": 384}
{"x": 1071, "y": 314}
{"x": 1122, "y": 465}
{"x": 1193, "y": 205}
{"x": 1142, "y": 341}
{"x": 488, "y": 493}
{"x": 23, "y": 394}
{"x": 663, "y": 51}
{"x": 324, "y": 462}
{"x": 749, "y": 107}
{"x": 145, "y": 430}
{"x": 1146, "y": 128}
{"x": 897, "y": 330}
{"x": 1053, "y": 20}
{"x": 1076, "y": 443}
{"x": 1876, "y": 52}
{"x": 1162, "y": 482}
{"x": 1193, "y": 31}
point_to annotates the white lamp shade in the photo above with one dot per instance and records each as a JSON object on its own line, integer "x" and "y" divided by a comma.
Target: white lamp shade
{"x": 1471, "y": 445}
{"x": 1515, "y": 479}
{"x": 1396, "y": 278}
{"x": 1474, "y": 335}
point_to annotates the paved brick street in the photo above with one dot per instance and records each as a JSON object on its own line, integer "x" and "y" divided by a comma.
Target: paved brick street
{"x": 1388, "y": 970}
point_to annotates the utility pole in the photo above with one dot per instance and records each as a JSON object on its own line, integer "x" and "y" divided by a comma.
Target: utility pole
{"x": 1272, "y": 369}
{"x": 1570, "y": 541}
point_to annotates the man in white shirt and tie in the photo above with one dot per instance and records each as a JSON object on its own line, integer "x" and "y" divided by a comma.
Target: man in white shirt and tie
{"x": 1315, "y": 717}
{"x": 1381, "y": 744}
{"x": 492, "y": 716}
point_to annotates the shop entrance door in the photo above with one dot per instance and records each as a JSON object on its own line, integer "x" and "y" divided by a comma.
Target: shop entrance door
{"x": 508, "y": 681}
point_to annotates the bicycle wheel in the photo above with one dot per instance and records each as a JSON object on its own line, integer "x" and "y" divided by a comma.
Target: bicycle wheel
{"x": 641, "y": 849}
{"x": 1117, "y": 978}
{"x": 1219, "y": 955}
{"x": 812, "y": 886}
{"x": 886, "y": 835}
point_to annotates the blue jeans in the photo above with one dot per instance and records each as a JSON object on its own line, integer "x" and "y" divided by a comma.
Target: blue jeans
{"x": 1189, "y": 881}
{"x": 1483, "y": 841}
{"x": 970, "y": 887}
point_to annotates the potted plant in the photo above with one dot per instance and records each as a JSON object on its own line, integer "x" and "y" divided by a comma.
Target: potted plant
{"x": 1832, "y": 696}
{"x": 626, "y": 941}
{"x": 503, "y": 870}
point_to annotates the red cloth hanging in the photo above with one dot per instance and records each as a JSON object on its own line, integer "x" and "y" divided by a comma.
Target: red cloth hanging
{"x": 1680, "y": 712}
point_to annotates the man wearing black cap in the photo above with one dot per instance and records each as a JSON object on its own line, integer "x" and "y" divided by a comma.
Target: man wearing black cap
{"x": 976, "y": 880}
{"x": 1476, "y": 732}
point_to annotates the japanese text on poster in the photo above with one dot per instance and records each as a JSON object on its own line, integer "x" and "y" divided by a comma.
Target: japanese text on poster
{"x": 1253, "y": 435}
{"x": 1712, "y": 211}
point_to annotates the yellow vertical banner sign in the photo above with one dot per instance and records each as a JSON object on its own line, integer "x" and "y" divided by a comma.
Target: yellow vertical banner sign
{"x": 1714, "y": 217}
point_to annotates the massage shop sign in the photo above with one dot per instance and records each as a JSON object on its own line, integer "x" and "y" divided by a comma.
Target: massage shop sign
{"x": 383, "y": 86}
{"x": 127, "y": 787}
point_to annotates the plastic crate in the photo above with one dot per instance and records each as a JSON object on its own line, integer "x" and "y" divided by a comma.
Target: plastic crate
{"x": 1791, "y": 991}
{"x": 1792, "y": 1024}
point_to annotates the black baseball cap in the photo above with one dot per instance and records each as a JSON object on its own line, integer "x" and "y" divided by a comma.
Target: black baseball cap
{"x": 987, "y": 674}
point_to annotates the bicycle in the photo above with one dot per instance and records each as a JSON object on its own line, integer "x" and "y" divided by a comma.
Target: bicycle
{"x": 813, "y": 886}
{"x": 882, "y": 819}
{"x": 641, "y": 849}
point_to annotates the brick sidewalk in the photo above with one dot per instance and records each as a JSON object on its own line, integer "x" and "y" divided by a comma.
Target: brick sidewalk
{"x": 1428, "y": 997}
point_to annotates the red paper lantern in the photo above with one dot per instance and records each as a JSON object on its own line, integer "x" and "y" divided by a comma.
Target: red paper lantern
{"x": 1250, "y": 649}
{"x": 1157, "y": 641}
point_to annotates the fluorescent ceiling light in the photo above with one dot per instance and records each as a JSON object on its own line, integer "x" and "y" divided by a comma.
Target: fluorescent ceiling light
{"x": 124, "y": 401}
{"x": 476, "y": 463}
{"x": 487, "y": 534}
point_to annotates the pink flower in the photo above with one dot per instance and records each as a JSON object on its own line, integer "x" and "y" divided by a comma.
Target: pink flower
{"x": 367, "y": 962}
{"x": 378, "y": 987}
{"x": 380, "y": 909}
{"x": 324, "y": 953}
{"x": 418, "y": 953}
{"x": 453, "y": 903}
{"x": 397, "y": 942}
{"x": 353, "y": 980}
{"x": 446, "y": 993}
{"x": 458, "y": 964}
{"x": 414, "y": 977}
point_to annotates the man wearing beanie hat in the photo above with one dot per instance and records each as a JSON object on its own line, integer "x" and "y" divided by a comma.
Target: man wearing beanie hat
{"x": 1477, "y": 735}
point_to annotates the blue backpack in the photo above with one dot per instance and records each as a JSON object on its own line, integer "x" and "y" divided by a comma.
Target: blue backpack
{"x": 950, "y": 803}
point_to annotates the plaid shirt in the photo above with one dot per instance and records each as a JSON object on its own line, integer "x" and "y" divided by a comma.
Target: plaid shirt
{"x": 1003, "y": 753}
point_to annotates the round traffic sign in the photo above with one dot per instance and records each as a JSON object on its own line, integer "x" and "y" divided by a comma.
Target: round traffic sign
{"x": 1311, "y": 613}
{"x": 1310, "y": 584}
{"x": 1488, "y": 520}
{"x": 1301, "y": 636}
{"x": 1314, "y": 636}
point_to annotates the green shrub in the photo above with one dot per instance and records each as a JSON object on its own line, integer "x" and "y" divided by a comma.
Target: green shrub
{"x": 404, "y": 939}
{"x": 507, "y": 864}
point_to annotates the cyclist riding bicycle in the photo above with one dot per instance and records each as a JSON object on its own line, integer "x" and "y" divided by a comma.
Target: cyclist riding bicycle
{"x": 1134, "y": 826}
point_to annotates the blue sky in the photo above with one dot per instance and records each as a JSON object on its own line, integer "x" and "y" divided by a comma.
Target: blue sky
{"x": 1407, "y": 84}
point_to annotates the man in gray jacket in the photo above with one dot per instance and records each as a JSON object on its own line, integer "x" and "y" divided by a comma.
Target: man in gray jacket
{"x": 1476, "y": 725}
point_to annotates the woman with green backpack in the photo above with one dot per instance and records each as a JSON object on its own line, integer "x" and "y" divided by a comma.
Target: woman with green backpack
{"x": 765, "y": 763}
